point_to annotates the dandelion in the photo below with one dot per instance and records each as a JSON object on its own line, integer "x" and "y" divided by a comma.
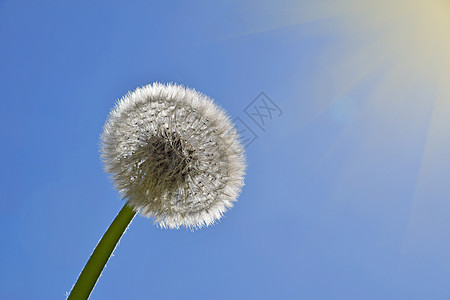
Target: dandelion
{"x": 174, "y": 156}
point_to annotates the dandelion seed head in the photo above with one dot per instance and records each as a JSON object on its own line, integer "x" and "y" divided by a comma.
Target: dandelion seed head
{"x": 174, "y": 155}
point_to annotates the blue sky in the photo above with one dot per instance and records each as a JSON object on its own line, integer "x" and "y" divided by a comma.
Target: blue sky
{"x": 347, "y": 192}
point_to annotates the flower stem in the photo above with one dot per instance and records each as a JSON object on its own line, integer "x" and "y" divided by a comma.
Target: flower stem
{"x": 91, "y": 272}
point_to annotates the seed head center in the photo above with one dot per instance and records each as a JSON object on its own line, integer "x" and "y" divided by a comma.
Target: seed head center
{"x": 170, "y": 160}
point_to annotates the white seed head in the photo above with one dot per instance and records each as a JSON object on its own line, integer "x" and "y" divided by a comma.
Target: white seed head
{"x": 174, "y": 155}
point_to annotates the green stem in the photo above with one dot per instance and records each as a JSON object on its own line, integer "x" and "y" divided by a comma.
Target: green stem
{"x": 91, "y": 272}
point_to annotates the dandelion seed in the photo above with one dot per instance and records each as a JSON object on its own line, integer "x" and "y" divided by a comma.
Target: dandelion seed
{"x": 174, "y": 155}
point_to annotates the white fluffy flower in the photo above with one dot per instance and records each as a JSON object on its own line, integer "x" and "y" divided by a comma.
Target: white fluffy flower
{"x": 174, "y": 154}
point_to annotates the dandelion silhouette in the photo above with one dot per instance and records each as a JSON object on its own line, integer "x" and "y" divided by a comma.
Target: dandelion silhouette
{"x": 174, "y": 156}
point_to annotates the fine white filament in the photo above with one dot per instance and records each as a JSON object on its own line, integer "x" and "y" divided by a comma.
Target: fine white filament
{"x": 174, "y": 155}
